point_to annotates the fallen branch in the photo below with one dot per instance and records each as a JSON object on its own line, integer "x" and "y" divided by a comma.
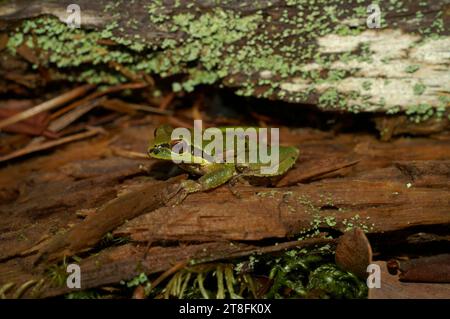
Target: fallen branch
{"x": 125, "y": 107}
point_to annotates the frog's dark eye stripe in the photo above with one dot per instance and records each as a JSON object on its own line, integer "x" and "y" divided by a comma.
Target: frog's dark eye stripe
{"x": 158, "y": 148}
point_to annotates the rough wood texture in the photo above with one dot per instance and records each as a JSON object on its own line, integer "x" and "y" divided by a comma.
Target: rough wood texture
{"x": 69, "y": 181}
{"x": 398, "y": 185}
{"x": 114, "y": 264}
{"x": 354, "y": 253}
{"x": 392, "y": 288}
{"x": 378, "y": 205}
{"x": 85, "y": 235}
{"x": 315, "y": 52}
{"x": 426, "y": 269}
{"x": 88, "y": 197}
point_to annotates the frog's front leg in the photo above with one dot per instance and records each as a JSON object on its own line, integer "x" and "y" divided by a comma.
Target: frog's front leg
{"x": 218, "y": 175}
{"x": 231, "y": 185}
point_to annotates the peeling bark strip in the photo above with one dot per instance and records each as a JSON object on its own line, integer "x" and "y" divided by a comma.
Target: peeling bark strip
{"x": 107, "y": 218}
{"x": 319, "y": 52}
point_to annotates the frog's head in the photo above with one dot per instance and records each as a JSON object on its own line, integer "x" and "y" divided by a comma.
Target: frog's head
{"x": 178, "y": 150}
{"x": 161, "y": 146}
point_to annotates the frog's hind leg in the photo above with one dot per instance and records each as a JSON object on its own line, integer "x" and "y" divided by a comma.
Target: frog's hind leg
{"x": 219, "y": 175}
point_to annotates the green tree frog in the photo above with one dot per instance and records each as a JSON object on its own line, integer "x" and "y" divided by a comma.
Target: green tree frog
{"x": 214, "y": 173}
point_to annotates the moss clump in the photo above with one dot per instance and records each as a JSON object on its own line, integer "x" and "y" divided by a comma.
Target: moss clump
{"x": 292, "y": 274}
{"x": 328, "y": 281}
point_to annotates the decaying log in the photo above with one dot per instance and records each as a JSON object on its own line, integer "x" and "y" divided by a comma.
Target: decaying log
{"x": 398, "y": 185}
{"x": 382, "y": 171}
{"x": 320, "y": 52}
{"x": 51, "y": 200}
{"x": 378, "y": 204}
{"x": 424, "y": 269}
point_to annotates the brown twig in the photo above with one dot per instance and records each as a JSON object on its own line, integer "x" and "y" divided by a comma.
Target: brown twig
{"x": 126, "y": 72}
{"x": 122, "y": 106}
{"x": 271, "y": 249}
{"x": 51, "y": 144}
{"x": 175, "y": 121}
{"x": 178, "y": 266}
{"x": 166, "y": 101}
{"x": 65, "y": 120}
{"x": 48, "y": 105}
{"x": 97, "y": 94}
{"x": 196, "y": 114}
{"x": 128, "y": 154}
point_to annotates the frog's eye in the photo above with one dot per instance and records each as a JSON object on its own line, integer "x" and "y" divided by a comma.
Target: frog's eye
{"x": 179, "y": 146}
{"x": 175, "y": 142}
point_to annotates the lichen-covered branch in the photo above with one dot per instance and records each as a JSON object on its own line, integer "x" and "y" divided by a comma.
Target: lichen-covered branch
{"x": 316, "y": 52}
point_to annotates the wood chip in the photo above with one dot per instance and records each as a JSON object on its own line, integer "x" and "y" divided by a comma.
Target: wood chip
{"x": 353, "y": 253}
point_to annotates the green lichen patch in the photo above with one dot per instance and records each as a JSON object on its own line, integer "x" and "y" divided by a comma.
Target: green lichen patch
{"x": 322, "y": 218}
{"x": 256, "y": 50}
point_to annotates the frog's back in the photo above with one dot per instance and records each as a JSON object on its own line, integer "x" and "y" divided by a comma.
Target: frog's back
{"x": 287, "y": 158}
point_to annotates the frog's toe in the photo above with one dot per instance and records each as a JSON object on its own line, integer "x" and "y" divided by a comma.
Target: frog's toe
{"x": 233, "y": 191}
{"x": 178, "y": 198}
{"x": 190, "y": 186}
